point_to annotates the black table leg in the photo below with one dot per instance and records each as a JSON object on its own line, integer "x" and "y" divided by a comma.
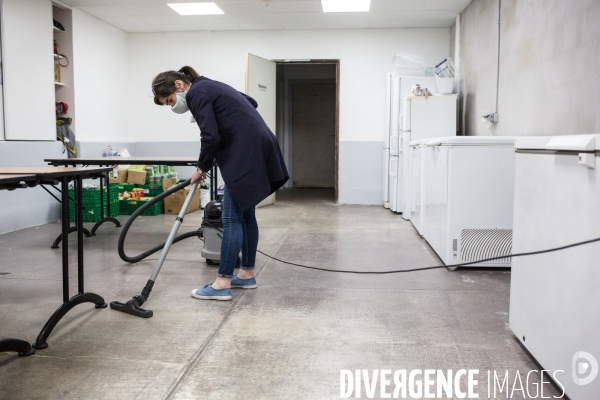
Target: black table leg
{"x": 81, "y": 297}
{"x": 87, "y": 233}
{"x": 72, "y": 229}
{"x": 108, "y": 218}
{"x": 20, "y": 346}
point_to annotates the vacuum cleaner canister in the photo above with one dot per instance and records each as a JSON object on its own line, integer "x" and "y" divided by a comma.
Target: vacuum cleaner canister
{"x": 212, "y": 225}
{"x": 212, "y": 228}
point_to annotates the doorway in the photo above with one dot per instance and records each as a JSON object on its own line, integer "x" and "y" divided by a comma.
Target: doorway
{"x": 307, "y": 123}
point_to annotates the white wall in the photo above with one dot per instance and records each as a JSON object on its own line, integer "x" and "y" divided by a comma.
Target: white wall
{"x": 101, "y": 74}
{"x": 365, "y": 57}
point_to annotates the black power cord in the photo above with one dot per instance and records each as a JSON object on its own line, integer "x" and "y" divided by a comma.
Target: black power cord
{"x": 437, "y": 266}
{"x": 425, "y": 268}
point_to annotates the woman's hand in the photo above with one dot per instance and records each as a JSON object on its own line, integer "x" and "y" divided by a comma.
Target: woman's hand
{"x": 198, "y": 175}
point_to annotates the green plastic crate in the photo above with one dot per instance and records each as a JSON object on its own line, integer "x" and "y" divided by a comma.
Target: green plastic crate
{"x": 91, "y": 204}
{"x": 92, "y": 196}
{"x": 92, "y": 213}
{"x": 152, "y": 190}
{"x": 121, "y": 188}
{"x": 128, "y": 207}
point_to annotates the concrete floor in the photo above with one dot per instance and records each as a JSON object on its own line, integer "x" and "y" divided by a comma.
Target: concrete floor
{"x": 287, "y": 339}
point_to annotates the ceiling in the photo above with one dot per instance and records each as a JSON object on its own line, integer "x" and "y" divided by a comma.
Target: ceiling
{"x": 156, "y": 16}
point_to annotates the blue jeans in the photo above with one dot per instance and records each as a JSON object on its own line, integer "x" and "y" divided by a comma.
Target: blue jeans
{"x": 240, "y": 232}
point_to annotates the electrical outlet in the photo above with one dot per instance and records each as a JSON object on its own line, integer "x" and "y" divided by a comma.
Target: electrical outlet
{"x": 493, "y": 118}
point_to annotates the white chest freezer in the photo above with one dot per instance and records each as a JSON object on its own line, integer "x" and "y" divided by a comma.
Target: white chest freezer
{"x": 555, "y": 297}
{"x": 424, "y": 118}
{"x": 467, "y": 210}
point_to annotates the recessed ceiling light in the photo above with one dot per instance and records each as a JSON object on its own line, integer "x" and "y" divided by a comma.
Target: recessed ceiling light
{"x": 196, "y": 8}
{"x": 346, "y": 5}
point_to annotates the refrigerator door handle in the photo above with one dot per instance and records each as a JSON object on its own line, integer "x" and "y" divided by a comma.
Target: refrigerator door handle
{"x": 394, "y": 145}
{"x": 394, "y": 166}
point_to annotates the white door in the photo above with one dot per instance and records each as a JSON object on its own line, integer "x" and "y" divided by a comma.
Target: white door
{"x": 261, "y": 82}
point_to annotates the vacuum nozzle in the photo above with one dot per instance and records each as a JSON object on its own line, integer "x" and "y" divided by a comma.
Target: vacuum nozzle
{"x": 132, "y": 307}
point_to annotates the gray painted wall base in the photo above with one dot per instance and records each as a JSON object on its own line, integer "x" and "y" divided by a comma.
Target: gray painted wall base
{"x": 360, "y": 174}
{"x": 175, "y": 149}
{"x": 24, "y": 208}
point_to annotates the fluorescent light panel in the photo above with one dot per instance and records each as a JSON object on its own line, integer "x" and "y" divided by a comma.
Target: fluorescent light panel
{"x": 196, "y": 8}
{"x": 346, "y": 5}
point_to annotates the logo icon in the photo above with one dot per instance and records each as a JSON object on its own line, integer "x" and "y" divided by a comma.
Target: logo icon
{"x": 585, "y": 368}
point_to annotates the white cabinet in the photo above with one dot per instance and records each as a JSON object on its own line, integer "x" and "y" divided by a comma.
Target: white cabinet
{"x": 28, "y": 70}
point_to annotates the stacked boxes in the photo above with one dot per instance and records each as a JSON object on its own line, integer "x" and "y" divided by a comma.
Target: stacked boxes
{"x": 174, "y": 202}
{"x": 158, "y": 174}
{"x": 117, "y": 176}
{"x": 136, "y": 174}
{"x": 154, "y": 179}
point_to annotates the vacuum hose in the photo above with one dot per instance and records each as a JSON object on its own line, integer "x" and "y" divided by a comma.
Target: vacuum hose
{"x": 137, "y": 213}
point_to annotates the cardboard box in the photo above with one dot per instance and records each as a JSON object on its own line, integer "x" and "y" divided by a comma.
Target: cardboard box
{"x": 118, "y": 176}
{"x": 174, "y": 202}
{"x": 168, "y": 182}
{"x": 138, "y": 177}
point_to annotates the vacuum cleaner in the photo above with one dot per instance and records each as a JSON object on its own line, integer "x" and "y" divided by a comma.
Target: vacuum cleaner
{"x": 211, "y": 227}
{"x": 210, "y": 232}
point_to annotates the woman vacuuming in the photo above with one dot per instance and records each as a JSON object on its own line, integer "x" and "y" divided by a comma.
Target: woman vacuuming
{"x": 233, "y": 133}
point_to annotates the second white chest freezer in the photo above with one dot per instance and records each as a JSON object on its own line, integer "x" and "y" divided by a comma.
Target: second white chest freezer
{"x": 467, "y": 210}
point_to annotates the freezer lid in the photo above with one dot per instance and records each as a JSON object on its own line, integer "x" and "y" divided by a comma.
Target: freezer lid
{"x": 532, "y": 142}
{"x": 575, "y": 143}
{"x": 417, "y": 143}
{"x": 456, "y": 141}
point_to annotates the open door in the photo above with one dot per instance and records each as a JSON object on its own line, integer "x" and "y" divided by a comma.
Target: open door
{"x": 261, "y": 82}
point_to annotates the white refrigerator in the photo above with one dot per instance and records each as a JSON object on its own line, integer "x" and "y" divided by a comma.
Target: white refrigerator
{"x": 423, "y": 118}
{"x": 385, "y": 192}
{"x": 399, "y": 87}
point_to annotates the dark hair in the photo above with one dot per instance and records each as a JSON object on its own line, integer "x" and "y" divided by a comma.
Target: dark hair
{"x": 163, "y": 84}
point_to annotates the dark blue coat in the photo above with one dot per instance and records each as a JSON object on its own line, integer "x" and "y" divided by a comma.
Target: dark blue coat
{"x": 234, "y": 133}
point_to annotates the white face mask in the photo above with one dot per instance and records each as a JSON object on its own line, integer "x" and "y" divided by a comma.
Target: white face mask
{"x": 181, "y": 106}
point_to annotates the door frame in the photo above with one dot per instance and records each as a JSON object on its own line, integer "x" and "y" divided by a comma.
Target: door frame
{"x": 337, "y": 108}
